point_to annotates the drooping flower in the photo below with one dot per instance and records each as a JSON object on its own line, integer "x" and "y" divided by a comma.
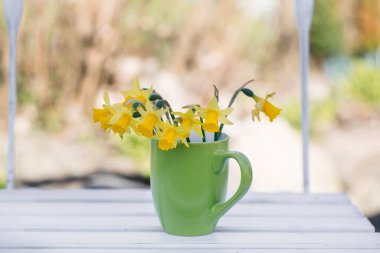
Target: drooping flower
{"x": 103, "y": 115}
{"x": 135, "y": 94}
{"x": 213, "y": 115}
{"x": 169, "y": 135}
{"x": 188, "y": 120}
{"x": 150, "y": 118}
{"x": 263, "y": 105}
{"x": 122, "y": 121}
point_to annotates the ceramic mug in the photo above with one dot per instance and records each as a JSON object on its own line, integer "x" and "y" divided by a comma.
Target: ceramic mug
{"x": 189, "y": 185}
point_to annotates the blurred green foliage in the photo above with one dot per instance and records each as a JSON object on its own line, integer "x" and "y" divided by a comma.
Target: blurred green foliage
{"x": 137, "y": 148}
{"x": 363, "y": 84}
{"x": 326, "y": 34}
{"x": 2, "y": 179}
{"x": 24, "y": 94}
{"x": 50, "y": 120}
{"x": 152, "y": 26}
{"x": 255, "y": 35}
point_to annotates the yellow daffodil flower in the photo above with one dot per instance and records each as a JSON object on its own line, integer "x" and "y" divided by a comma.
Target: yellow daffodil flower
{"x": 213, "y": 115}
{"x": 150, "y": 118}
{"x": 103, "y": 115}
{"x": 136, "y": 93}
{"x": 168, "y": 136}
{"x": 263, "y": 105}
{"x": 122, "y": 121}
{"x": 188, "y": 120}
{"x": 141, "y": 111}
{"x": 115, "y": 117}
{"x": 255, "y": 114}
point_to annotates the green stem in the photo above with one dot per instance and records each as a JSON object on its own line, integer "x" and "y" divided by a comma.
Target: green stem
{"x": 234, "y": 96}
{"x": 203, "y": 131}
{"x": 171, "y": 112}
{"x": 169, "y": 118}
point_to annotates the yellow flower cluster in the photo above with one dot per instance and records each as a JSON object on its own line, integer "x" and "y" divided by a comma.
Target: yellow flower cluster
{"x": 146, "y": 113}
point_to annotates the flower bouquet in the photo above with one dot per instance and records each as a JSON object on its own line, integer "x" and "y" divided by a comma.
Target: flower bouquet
{"x": 189, "y": 153}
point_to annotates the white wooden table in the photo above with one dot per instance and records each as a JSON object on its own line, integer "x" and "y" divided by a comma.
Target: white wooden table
{"x": 111, "y": 221}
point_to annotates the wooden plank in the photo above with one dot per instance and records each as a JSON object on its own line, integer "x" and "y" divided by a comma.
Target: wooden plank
{"x": 149, "y": 240}
{"x": 151, "y": 223}
{"x": 143, "y": 195}
{"x": 147, "y": 209}
{"x": 198, "y": 250}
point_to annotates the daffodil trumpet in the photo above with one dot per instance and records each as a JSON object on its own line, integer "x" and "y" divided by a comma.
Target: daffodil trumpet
{"x": 188, "y": 119}
{"x": 141, "y": 112}
{"x": 168, "y": 136}
{"x": 263, "y": 105}
{"x": 212, "y": 115}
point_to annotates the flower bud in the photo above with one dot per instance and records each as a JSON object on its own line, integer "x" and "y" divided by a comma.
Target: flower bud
{"x": 136, "y": 115}
{"x": 154, "y": 97}
{"x": 248, "y": 92}
{"x": 160, "y": 104}
{"x": 135, "y": 105}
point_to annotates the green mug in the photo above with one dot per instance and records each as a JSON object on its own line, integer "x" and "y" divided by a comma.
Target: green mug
{"x": 189, "y": 185}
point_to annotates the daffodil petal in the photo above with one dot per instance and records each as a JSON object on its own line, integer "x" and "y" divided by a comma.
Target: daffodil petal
{"x": 255, "y": 114}
{"x": 213, "y": 104}
{"x": 115, "y": 117}
{"x": 198, "y": 130}
{"x": 136, "y": 85}
{"x": 106, "y": 98}
{"x": 270, "y": 95}
{"x": 225, "y": 121}
{"x": 226, "y": 111}
{"x": 184, "y": 142}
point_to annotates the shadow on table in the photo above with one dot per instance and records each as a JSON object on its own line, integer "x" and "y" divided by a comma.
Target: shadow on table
{"x": 97, "y": 180}
{"x": 375, "y": 220}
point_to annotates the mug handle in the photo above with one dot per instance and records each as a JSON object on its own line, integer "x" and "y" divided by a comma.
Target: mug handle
{"x": 220, "y": 159}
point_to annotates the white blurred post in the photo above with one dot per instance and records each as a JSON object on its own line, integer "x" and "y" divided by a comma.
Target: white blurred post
{"x": 304, "y": 12}
{"x": 13, "y": 13}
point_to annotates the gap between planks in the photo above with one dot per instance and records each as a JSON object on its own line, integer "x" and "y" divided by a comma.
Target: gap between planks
{"x": 186, "y": 250}
{"x": 144, "y": 195}
{"x": 151, "y": 223}
{"x": 217, "y": 240}
{"x": 147, "y": 209}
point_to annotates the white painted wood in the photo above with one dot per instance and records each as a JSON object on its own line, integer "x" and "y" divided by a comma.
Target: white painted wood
{"x": 144, "y": 195}
{"x": 304, "y": 13}
{"x": 13, "y": 13}
{"x": 226, "y": 240}
{"x": 151, "y": 223}
{"x": 147, "y": 209}
{"x": 124, "y": 221}
{"x": 189, "y": 250}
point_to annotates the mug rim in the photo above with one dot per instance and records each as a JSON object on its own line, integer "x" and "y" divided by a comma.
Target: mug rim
{"x": 223, "y": 138}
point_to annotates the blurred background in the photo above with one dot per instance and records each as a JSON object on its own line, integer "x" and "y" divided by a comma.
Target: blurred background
{"x": 71, "y": 51}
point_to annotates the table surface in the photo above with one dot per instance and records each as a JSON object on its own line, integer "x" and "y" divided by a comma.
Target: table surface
{"x": 111, "y": 221}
